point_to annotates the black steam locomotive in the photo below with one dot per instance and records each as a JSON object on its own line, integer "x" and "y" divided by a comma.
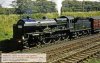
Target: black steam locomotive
{"x": 36, "y": 32}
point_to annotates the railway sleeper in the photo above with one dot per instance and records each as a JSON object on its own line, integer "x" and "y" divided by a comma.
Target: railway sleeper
{"x": 75, "y": 59}
{"x": 84, "y": 58}
{"x": 80, "y": 59}
{"x": 61, "y": 61}
{"x": 68, "y": 61}
{"x": 72, "y": 59}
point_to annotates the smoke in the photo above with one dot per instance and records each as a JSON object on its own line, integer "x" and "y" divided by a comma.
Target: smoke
{"x": 58, "y": 5}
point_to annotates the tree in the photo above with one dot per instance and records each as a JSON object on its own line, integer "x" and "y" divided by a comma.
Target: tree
{"x": 22, "y": 6}
{"x": 45, "y": 6}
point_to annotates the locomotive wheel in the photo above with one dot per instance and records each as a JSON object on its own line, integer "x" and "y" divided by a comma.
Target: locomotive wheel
{"x": 25, "y": 41}
{"x": 80, "y": 33}
{"x": 59, "y": 38}
{"x": 66, "y": 38}
{"x": 56, "y": 39}
{"x": 38, "y": 44}
{"x": 76, "y": 35}
{"x": 89, "y": 33}
{"x": 84, "y": 32}
{"x": 46, "y": 41}
{"x": 25, "y": 44}
{"x": 52, "y": 41}
{"x": 62, "y": 38}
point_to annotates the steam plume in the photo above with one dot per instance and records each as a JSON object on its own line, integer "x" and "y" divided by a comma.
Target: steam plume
{"x": 58, "y": 5}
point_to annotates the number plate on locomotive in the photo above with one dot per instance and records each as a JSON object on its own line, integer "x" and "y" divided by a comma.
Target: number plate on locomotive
{"x": 19, "y": 26}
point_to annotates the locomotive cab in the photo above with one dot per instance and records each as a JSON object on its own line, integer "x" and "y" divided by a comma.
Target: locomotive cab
{"x": 65, "y": 22}
{"x": 68, "y": 20}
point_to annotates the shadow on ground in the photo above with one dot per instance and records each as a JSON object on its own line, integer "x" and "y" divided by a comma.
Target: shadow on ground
{"x": 7, "y": 46}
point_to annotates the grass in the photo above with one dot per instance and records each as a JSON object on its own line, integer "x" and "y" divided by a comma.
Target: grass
{"x": 82, "y": 14}
{"x": 93, "y": 60}
{"x": 7, "y": 21}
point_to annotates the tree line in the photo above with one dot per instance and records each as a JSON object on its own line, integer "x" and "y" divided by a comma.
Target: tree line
{"x": 40, "y": 6}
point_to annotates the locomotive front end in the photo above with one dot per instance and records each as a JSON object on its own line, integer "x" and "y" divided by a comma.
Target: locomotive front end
{"x": 23, "y": 26}
{"x": 29, "y": 31}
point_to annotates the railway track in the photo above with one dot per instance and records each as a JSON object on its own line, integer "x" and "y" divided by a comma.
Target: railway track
{"x": 80, "y": 56}
{"x": 75, "y": 50}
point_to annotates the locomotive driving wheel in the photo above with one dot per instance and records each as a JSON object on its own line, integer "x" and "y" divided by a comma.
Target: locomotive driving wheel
{"x": 62, "y": 38}
{"x": 25, "y": 44}
{"x": 58, "y": 37}
{"x": 46, "y": 41}
{"x": 42, "y": 40}
{"x": 38, "y": 44}
{"x": 76, "y": 35}
{"x": 25, "y": 38}
{"x": 66, "y": 37}
{"x": 38, "y": 41}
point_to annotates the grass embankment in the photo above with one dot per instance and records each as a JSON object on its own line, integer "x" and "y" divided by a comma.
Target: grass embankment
{"x": 7, "y": 21}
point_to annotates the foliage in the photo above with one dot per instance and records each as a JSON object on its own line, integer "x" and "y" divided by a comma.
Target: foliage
{"x": 7, "y": 11}
{"x": 39, "y": 6}
{"x": 80, "y": 6}
{"x": 82, "y": 14}
{"x": 28, "y": 6}
{"x": 22, "y": 6}
{"x": 6, "y": 23}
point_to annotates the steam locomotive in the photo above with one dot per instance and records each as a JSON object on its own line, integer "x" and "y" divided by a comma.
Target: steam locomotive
{"x": 36, "y": 32}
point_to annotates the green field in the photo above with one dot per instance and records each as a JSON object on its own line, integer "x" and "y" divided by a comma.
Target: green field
{"x": 7, "y": 21}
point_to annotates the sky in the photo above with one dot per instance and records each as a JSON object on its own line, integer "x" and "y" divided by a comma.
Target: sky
{"x": 6, "y": 3}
